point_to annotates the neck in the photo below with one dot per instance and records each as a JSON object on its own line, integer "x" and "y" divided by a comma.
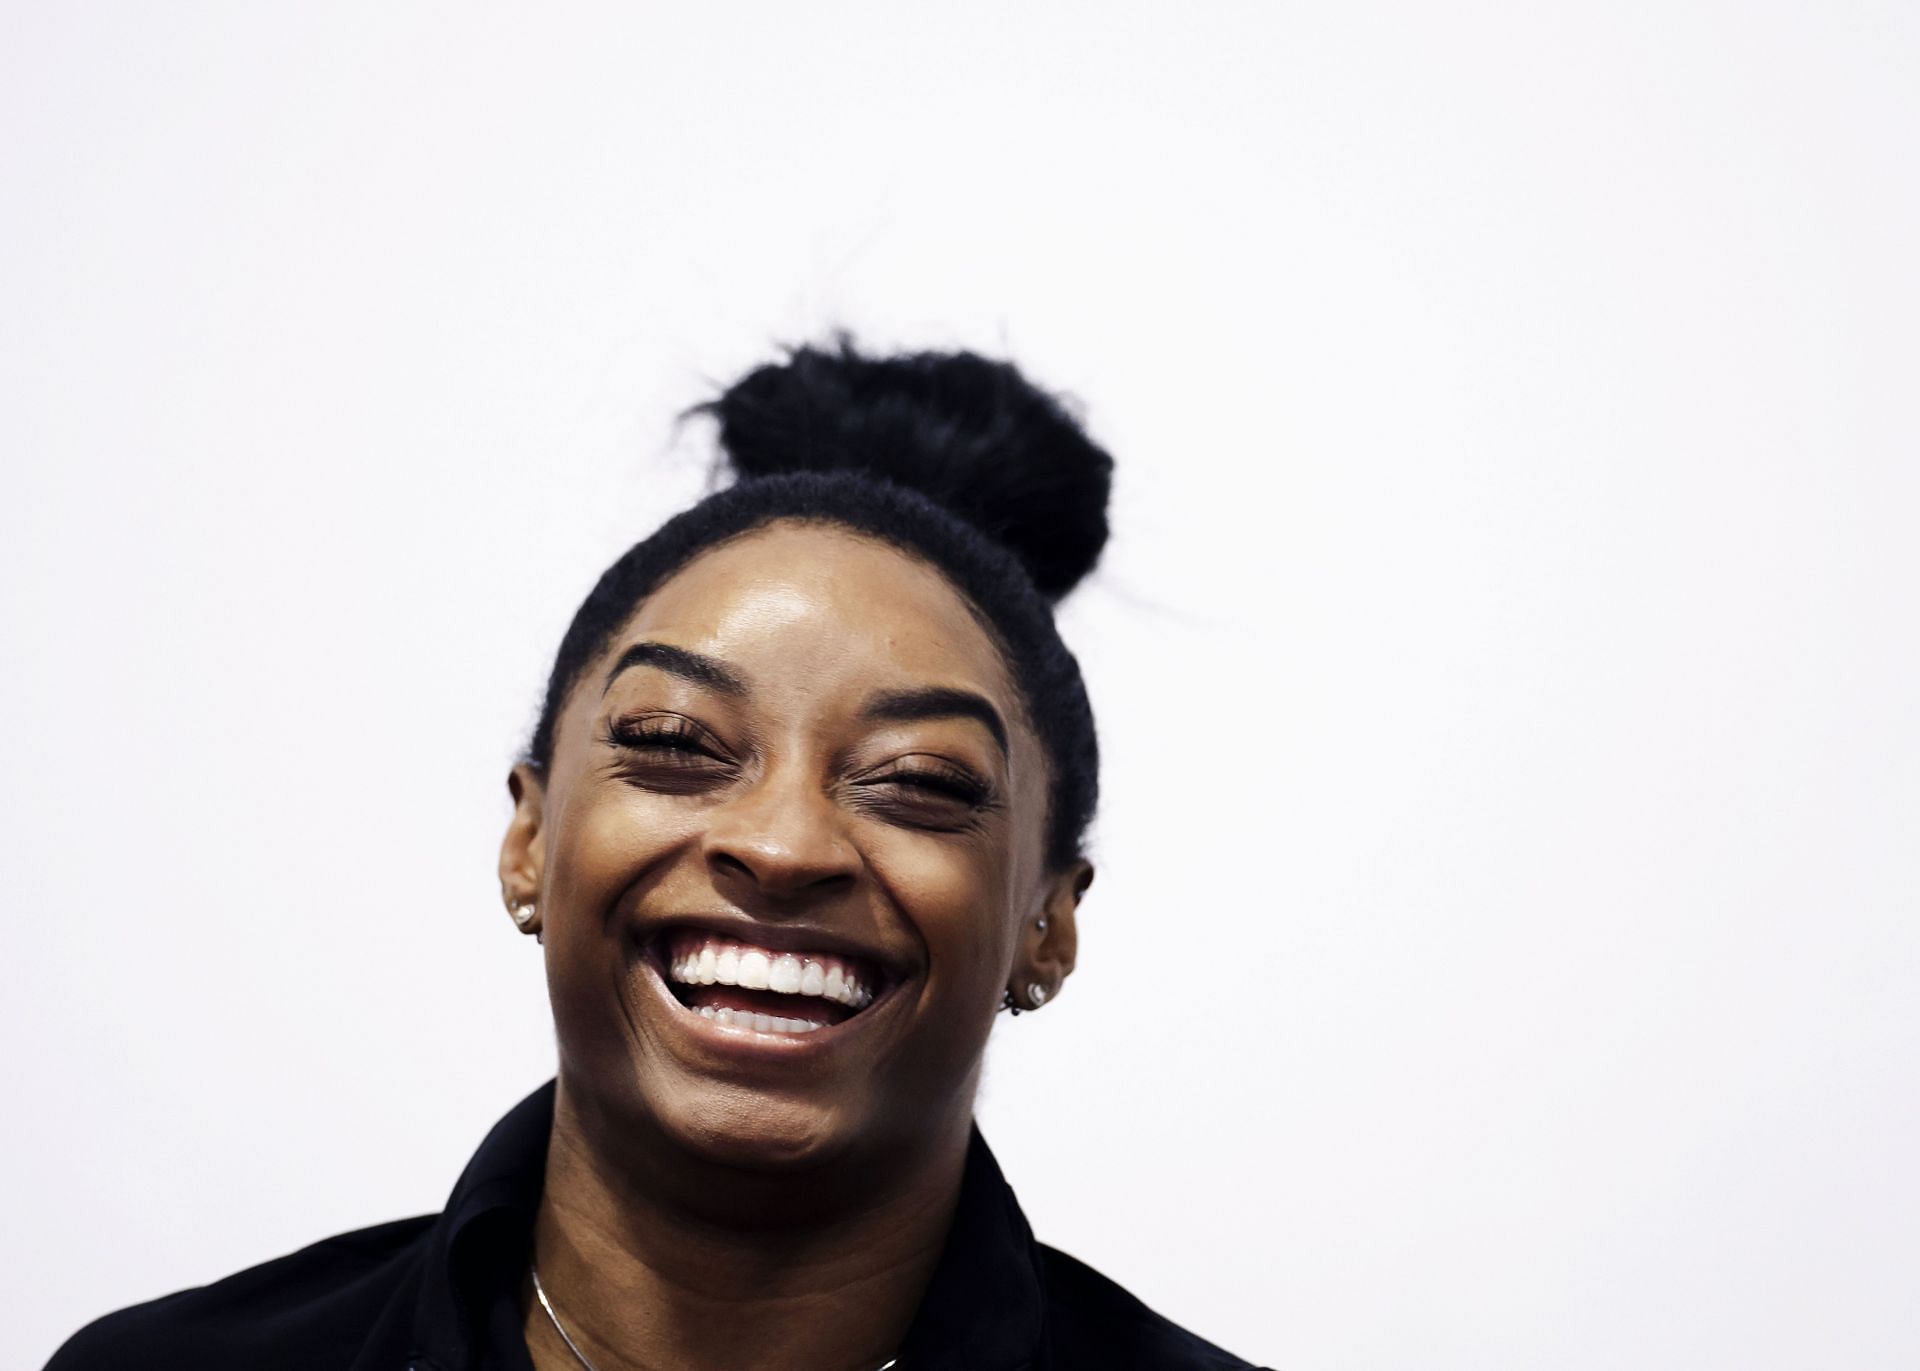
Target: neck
{"x": 653, "y": 1258}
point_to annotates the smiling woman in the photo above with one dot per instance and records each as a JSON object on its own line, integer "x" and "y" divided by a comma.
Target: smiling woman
{"x": 803, "y": 812}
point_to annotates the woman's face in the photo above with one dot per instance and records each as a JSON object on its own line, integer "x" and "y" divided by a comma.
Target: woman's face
{"x": 788, "y": 856}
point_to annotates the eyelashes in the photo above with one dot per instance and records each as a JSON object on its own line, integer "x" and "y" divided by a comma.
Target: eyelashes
{"x": 672, "y": 753}
{"x": 669, "y": 753}
{"x": 929, "y": 795}
{"x": 671, "y": 733}
{"x": 938, "y": 778}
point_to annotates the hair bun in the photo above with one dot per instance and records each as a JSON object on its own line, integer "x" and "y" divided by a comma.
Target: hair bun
{"x": 969, "y": 433}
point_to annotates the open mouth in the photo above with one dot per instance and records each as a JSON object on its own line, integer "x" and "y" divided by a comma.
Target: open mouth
{"x": 739, "y": 985}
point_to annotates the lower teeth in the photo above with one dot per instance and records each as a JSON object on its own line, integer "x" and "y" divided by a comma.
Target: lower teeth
{"x": 759, "y": 1023}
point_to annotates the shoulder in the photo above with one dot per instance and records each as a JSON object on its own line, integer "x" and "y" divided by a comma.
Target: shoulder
{"x": 297, "y": 1311}
{"x": 1094, "y": 1321}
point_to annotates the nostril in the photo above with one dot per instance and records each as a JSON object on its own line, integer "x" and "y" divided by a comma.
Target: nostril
{"x": 783, "y": 869}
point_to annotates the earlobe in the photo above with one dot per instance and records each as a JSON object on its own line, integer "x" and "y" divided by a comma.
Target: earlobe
{"x": 523, "y": 846}
{"x": 1051, "y": 941}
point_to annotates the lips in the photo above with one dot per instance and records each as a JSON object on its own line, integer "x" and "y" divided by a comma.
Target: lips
{"x": 750, "y": 988}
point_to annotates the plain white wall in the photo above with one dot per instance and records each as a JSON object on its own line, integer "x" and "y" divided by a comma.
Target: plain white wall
{"x": 1505, "y": 945}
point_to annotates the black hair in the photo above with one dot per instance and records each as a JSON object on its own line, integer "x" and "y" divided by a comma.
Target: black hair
{"x": 954, "y": 458}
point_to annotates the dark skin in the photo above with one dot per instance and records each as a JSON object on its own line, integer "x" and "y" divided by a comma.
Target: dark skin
{"x": 799, "y": 755}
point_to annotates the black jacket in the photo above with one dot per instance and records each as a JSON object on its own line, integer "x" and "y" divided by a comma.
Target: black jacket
{"x": 439, "y": 1293}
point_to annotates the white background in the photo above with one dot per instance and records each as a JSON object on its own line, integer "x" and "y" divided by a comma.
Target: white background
{"x": 1505, "y": 947}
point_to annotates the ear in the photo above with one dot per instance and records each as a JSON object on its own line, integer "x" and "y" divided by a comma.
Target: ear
{"x": 1050, "y": 942}
{"x": 523, "y": 851}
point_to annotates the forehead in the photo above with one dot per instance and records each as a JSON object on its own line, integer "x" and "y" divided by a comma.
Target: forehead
{"x": 813, "y": 609}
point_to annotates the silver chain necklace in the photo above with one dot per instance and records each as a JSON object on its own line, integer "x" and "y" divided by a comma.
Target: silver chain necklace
{"x": 540, "y": 1292}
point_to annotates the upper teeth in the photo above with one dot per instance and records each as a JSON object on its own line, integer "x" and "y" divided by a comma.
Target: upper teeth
{"x": 721, "y": 961}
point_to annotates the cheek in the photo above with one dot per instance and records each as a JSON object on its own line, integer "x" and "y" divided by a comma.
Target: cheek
{"x": 958, "y": 899}
{"x": 609, "y": 836}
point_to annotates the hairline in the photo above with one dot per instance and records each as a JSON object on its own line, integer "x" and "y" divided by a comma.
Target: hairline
{"x": 1023, "y": 713}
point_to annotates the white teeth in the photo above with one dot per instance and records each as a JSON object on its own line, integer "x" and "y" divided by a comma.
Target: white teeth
{"x": 719, "y": 961}
{"x": 758, "y": 1023}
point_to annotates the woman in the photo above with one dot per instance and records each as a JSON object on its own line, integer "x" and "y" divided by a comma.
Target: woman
{"x": 802, "y": 813}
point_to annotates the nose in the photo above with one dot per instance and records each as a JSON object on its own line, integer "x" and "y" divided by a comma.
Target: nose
{"x": 780, "y": 840}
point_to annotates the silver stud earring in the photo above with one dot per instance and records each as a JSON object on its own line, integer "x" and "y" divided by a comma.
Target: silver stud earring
{"x": 1036, "y": 993}
{"x": 522, "y": 915}
{"x": 1041, "y": 923}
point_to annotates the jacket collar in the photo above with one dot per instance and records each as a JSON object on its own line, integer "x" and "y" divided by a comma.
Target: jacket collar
{"x": 984, "y": 1309}
{"x": 479, "y": 1244}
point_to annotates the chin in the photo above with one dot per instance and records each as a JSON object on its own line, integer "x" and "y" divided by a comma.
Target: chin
{"x": 750, "y": 1129}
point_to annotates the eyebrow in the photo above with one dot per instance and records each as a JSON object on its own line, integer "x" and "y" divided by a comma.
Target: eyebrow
{"x": 937, "y": 702}
{"x": 678, "y": 661}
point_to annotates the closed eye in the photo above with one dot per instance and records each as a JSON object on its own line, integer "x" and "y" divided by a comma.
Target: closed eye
{"x": 959, "y": 788}
{"x": 929, "y": 793}
{"x": 669, "y": 752}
